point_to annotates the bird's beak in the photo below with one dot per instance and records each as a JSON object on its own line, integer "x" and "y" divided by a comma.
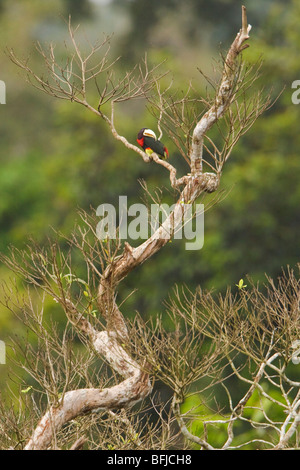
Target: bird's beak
{"x": 149, "y": 133}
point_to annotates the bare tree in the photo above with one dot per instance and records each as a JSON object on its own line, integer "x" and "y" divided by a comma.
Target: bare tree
{"x": 205, "y": 330}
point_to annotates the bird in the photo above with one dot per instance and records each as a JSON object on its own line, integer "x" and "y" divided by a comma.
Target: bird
{"x": 147, "y": 139}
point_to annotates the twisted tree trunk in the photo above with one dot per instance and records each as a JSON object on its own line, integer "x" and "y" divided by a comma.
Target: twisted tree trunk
{"x": 136, "y": 384}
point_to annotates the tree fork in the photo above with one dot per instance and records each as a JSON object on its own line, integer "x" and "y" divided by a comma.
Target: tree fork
{"x": 136, "y": 384}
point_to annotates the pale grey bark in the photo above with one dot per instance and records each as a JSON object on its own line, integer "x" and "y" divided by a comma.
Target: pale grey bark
{"x": 136, "y": 384}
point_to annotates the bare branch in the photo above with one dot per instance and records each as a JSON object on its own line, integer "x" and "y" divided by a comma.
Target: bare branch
{"x": 224, "y": 96}
{"x": 186, "y": 122}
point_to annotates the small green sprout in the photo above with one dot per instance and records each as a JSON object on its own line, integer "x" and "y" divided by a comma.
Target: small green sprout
{"x": 241, "y": 284}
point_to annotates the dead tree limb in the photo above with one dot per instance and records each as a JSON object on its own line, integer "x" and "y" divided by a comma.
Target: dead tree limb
{"x": 224, "y": 97}
{"x": 70, "y": 83}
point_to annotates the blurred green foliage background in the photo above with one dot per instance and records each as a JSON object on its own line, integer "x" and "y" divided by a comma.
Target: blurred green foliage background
{"x": 57, "y": 157}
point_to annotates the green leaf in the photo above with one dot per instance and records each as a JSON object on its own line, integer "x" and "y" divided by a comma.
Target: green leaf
{"x": 241, "y": 284}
